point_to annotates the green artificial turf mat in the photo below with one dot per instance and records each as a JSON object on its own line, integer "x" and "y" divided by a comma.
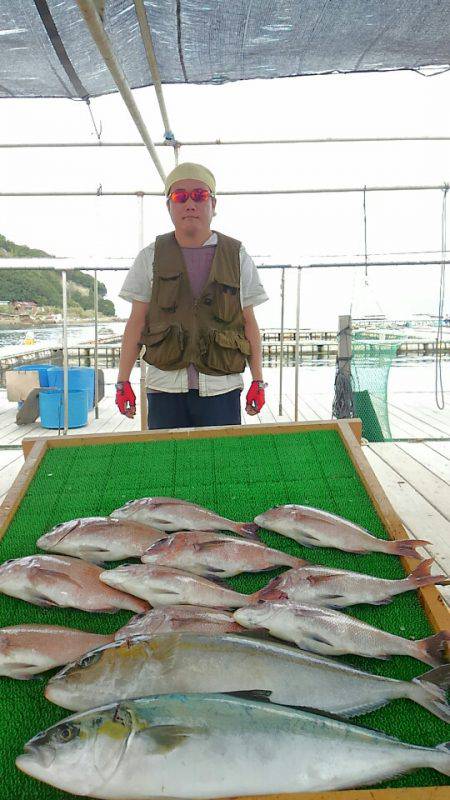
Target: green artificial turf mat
{"x": 238, "y": 477}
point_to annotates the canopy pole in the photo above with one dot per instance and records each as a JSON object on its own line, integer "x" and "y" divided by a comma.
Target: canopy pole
{"x": 94, "y": 23}
{"x": 96, "y": 344}
{"x": 153, "y": 64}
{"x": 297, "y": 341}
{"x": 142, "y": 364}
{"x": 65, "y": 355}
{"x": 280, "y": 400}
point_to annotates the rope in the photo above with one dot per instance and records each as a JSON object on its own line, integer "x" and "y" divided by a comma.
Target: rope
{"x": 438, "y": 383}
{"x": 98, "y": 131}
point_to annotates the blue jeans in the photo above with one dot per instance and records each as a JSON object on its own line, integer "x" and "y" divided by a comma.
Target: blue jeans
{"x": 189, "y": 410}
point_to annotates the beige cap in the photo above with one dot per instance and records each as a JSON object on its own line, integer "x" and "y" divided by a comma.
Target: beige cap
{"x": 189, "y": 170}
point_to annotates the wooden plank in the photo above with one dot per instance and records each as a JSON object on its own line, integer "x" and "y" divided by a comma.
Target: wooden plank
{"x": 14, "y": 496}
{"x": 419, "y": 517}
{"x": 432, "y": 601}
{"x": 435, "y": 462}
{"x": 422, "y": 793}
{"x": 432, "y": 488}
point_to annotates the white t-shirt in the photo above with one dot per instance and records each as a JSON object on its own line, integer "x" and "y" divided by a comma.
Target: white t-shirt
{"x": 138, "y": 286}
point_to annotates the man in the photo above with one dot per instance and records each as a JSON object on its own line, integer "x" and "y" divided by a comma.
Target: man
{"x": 192, "y": 293}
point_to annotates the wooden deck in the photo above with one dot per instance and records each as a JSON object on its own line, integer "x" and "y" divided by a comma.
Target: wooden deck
{"x": 414, "y": 471}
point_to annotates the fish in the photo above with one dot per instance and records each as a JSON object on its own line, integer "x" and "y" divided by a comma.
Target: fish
{"x": 164, "y": 586}
{"x": 26, "y": 650}
{"x": 63, "y": 581}
{"x": 146, "y": 748}
{"x": 329, "y": 632}
{"x": 315, "y": 528}
{"x": 170, "y": 514}
{"x": 166, "y": 663}
{"x": 338, "y": 588}
{"x": 209, "y": 554}
{"x": 99, "y": 539}
{"x": 195, "y": 619}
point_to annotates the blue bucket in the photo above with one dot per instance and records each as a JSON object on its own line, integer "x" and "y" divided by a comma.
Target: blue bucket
{"x": 79, "y": 378}
{"x": 41, "y": 368}
{"x": 51, "y": 408}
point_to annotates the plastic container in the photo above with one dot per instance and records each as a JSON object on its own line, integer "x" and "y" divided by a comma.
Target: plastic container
{"x": 51, "y": 408}
{"x": 41, "y": 368}
{"x": 79, "y": 378}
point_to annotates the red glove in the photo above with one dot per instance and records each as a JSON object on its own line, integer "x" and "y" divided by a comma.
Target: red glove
{"x": 125, "y": 398}
{"x": 255, "y": 397}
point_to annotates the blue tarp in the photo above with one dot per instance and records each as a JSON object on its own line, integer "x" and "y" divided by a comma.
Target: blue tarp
{"x": 46, "y": 49}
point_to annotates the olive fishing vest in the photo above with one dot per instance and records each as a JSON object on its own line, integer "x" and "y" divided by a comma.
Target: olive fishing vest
{"x": 207, "y": 332}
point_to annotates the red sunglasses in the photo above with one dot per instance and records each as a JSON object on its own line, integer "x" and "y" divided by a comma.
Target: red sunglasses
{"x": 197, "y": 195}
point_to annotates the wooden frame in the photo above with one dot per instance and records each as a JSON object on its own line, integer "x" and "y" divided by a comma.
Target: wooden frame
{"x": 350, "y": 434}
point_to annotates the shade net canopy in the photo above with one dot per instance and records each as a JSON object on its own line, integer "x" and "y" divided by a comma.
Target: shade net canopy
{"x": 46, "y": 49}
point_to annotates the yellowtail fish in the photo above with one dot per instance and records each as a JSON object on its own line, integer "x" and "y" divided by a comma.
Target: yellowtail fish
{"x": 99, "y": 539}
{"x": 63, "y": 581}
{"x": 331, "y": 633}
{"x": 165, "y": 663}
{"x": 193, "y": 619}
{"x": 338, "y": 588}
{"x": 147, "y": 748}
{"x": 164, "y": 586}
{"x": 209, "y": 554}
{"x": 315, "y": 528}
{"x": 26, "y": 650}
{"x": 170, "y": 514}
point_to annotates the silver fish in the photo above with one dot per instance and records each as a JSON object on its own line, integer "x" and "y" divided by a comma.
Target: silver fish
{"x": 167, "y": 663}
{"x": 208, "y": 554}
{"x": 99, "y": 539}
{"x": 164, "y": 586}
{"x": 315, "y": 528}
{"x": 26, "y": 650}
{"x": 170, "y": 514}
{"x": 146, "y": 748}
{"x": 338, "y": 588}
{"x": 329, "y": 632}
{"x": 192, "y": 619}
{"x": 63, "y": 581}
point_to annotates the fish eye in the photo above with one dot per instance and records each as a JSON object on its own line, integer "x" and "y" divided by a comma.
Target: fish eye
{"x": 66, "y": 732}
{"x": 87, "y": 661}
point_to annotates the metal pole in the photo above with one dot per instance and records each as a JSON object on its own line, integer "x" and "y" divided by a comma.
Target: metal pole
{"x": 65, "y": 355}
{"x": 95, "y": 344}
{"x": 143, "y": 366}
{"x": 280, "y": 401}
{"x": 95, "y": 25}
{"x": 297, "y": 342}
{"x": 241, "y": 192}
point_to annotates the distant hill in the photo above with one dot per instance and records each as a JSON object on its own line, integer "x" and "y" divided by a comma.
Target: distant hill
{"x": 44, "y": 286}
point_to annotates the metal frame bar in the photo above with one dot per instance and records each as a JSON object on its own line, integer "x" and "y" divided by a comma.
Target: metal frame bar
{"x": 280, "y": 400}
{"x": 297, "y": 342}
{"x": 92, "y": 18}
{"x": 243, "y": 192}
{"x": 233, "y": 142}
{"x": 95, "y": 344}
{"x": 65, "y": 355}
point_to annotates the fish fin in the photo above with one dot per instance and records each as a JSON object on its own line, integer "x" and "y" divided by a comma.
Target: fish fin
{"x": 421, "y": 575}
{"x": 263, "y": 695}
{"x": 4, "y": 643}
{"x": 166, "y": 738}
{"x": 445, "y": 747}
{"x": 384, "y": 602}
{"x": 433, "y": 649}
{"x": 440, "y": 676}
{"x": 162, "y": 650}
{"x": 313, "y": 580}
{"x": 249, "y": 530}
{"x": 407, "y": 547}
{"x": 219, "y": 582}
{"x": 38, "y": 574}
{"x": 201, "y": 547}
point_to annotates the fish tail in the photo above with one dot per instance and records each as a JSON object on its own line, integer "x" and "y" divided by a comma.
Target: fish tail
{"x": 429, "y": 690}
{"x": 271, "y": 592}
{"x": 406, "y": 547}
{"x": 432, "y": 650}
{"x": 248, "y": 530}
{"x": 421, "y": 575}
{"x": 441, "y": 760}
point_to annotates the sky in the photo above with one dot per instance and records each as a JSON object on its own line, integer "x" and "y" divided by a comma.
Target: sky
{"x": 275, "y": 229}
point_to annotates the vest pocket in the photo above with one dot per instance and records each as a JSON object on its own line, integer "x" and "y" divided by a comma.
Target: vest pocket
{"x": 227, "y": 301}
{"x": 164, "y": 344}
{"x": 168, "y": 291}
{"x": 227, "y": 352}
